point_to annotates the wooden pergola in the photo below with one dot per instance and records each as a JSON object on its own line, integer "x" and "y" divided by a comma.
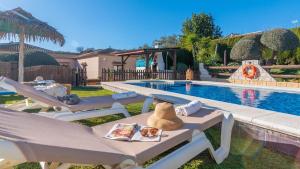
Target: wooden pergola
{"x": 147, "y": 53}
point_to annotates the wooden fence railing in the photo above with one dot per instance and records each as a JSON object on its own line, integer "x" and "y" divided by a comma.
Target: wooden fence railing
{"x": 119, "y": 75}
{"x": 9, "y": 69}
{"x": 232, "y": 68}
{"x": 265, "y": 67}
{"x": 60, "y": 74}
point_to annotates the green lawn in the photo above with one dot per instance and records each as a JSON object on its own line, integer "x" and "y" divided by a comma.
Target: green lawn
{"x": 246, "y": 153}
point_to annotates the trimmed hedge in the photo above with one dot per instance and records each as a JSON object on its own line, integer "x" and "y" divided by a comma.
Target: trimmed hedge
{"x": 246, "y": 49}
{"x": 280, "y": 40}
{"x": 228, "y": 43}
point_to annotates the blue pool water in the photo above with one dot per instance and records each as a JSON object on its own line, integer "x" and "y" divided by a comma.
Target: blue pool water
{"x": 279, "y": 101}
{"x": 6, "y": 93}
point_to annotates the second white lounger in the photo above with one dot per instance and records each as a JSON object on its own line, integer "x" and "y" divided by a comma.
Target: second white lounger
{"x": 88, "y": 107}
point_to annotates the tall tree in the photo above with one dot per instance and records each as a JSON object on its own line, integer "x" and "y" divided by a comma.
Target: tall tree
{"x": 18, "y": 22}
{"x": 189, "y": 42}
{"x": 202, "y": 25}
{"x": 195, "y": 28}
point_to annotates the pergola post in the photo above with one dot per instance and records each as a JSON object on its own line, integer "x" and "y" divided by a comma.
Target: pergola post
{"x": 175, "y": 64}
{"x": 147, "y": 53}
{"x": 147, "y": 59}
{"x": 225, "y": 57}
{"x": 122, "y": 63}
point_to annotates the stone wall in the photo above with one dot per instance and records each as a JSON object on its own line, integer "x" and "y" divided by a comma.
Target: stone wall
{"x": 262, "y": 75}
{"x": 264, "y": 83}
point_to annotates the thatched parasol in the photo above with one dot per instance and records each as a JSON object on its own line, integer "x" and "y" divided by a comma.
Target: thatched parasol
{"x": 19, "y": 23}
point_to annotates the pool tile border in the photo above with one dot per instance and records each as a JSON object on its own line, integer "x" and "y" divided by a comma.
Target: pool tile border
{"x": 266, "y": 83}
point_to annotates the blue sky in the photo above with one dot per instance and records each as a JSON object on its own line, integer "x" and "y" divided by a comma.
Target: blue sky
{"x": 127, "y": 24}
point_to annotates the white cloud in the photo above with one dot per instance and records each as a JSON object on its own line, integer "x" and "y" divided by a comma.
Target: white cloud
{"x": 295, "y": 21}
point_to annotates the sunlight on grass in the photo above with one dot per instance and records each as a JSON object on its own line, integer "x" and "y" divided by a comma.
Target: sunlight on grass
{"x": 10, "y": 99}
{"x": 90, "y": 91}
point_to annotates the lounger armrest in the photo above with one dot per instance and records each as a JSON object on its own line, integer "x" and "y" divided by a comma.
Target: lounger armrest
{"x": 223, "y": 151}
{"x": 10, "y": 154}
{"x": 147, "y": 103}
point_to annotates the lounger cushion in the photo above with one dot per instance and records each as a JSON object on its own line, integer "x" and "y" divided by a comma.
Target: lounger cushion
{"x": 45, "y": 139}
{"x": 144, "y": 151}
{"x": 90, "y": 103}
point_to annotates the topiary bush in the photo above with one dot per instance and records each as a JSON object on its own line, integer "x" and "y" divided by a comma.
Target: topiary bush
{"x": 280, "y": 40}
{"x": 31, "y": 59}
{"x": 246, "y": 49}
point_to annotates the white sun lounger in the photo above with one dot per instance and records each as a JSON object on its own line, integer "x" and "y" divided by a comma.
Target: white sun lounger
{"x": 87, "y": 108}
{"x": 25, "y": 137}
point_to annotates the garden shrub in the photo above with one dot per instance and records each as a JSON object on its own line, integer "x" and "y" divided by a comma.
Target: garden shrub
{"x": 206, "y": 52}
{"x": 297, "y": 55}
{"x": 296, "y": 31}
{"x": 280, "y": 40}
{"x": 184, "y": 56}
{"x": 181, "y": 67}
{"x": 246, "y": 49}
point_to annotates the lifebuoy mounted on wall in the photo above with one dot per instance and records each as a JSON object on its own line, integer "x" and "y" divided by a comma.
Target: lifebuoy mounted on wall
{"x": 249, "y": 71}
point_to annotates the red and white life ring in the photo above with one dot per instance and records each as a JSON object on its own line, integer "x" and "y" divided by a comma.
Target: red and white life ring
{"x": 249, "y": 71}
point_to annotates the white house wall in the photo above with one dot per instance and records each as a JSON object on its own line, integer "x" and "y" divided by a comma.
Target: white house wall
{"x": 92, "y": 67}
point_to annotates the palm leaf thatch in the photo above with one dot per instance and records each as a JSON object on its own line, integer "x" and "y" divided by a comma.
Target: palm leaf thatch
{"x": 19, "y": 23}
{"x": 12, "y": 22}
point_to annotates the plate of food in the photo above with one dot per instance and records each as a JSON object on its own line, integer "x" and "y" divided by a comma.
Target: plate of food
{"x": 146, "y": 133}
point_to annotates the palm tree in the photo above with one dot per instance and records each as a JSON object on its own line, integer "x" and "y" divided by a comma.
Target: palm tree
{"x": 19, "y": 23}
{"x": 189, "y": 42}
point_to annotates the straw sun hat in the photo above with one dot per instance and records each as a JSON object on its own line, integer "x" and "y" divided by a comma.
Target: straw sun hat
{"x": 164, "y": 117}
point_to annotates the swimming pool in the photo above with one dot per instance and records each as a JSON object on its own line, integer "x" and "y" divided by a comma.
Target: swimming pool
{"x": 280, "y": 101}
{"x": 6, "y": 93}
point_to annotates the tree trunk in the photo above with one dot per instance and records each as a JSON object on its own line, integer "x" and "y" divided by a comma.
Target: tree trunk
{"x": 274, "y": 57}
{"x": 21, "y": 55}
{"x": 194, "y": 57}
{"x": 225, "y": 57}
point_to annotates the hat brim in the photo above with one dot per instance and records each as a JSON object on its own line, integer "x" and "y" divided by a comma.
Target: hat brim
{"x": 165, "y": 124}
